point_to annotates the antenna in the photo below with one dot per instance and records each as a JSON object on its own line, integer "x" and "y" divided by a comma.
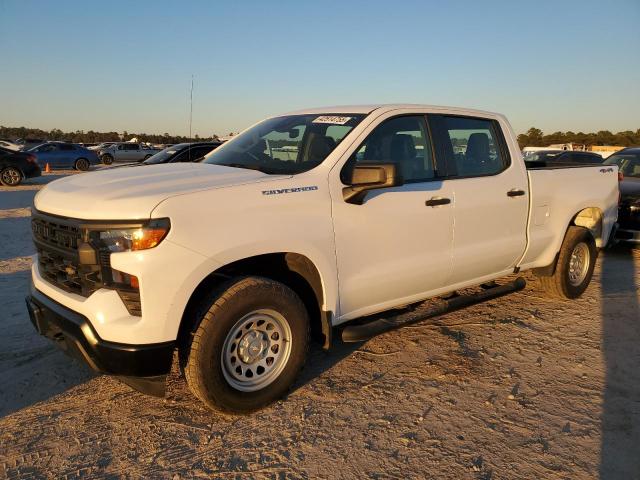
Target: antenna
{"x": 191, "y": 109}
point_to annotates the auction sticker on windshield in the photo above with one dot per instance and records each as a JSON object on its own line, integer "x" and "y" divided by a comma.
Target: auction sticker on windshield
{"x": 335, "y": 120}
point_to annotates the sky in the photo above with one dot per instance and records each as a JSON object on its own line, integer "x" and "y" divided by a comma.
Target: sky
{"x": 557, "y": 65}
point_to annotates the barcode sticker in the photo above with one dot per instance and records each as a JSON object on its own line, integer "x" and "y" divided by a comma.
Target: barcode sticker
{"x": 335, "y": 120}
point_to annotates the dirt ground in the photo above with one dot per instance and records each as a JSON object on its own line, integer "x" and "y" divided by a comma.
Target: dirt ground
{"x": 519, "y": 387}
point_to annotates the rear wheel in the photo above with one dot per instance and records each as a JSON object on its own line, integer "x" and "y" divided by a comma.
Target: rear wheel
{"x": 11, "y": 176}
{"x": 574, "y": 268}
{"x": 106, "y": 159}
{"x": 249, "y": 347}
{"x": 82, "y": 164}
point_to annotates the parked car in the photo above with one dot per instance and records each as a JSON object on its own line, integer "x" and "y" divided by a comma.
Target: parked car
{"x": 234, "y": 260}
{"x": 9, "y": 145}
{"x": 628, "y": 161}
{"x": 564, "y": 157}
{"x": 65, "y": 155}
{"x": 16, "y": 166}
{"x": 126, "y": 152}
{"x": 29, "y": 143}
{"x": 102, "y": 145}
{"x": 182, "y": 152}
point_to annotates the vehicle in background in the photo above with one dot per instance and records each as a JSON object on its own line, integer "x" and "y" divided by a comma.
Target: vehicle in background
{"x": 235, "y": 260}
{"x": 29, "y": 143}
{"x": 628, "y": 163}
{"x": 10, "y": 145}
{"x": 99, "y": 146}
{"x": 16, "y": 166}
{"x": 65, "y": 155}
{"x": 182, "y": 152}
{"x": 126, "y": 152}
{"x": 564, "y": 157}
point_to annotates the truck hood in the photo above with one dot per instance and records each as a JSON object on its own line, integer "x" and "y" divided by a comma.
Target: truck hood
{"x": 132, "y": 193}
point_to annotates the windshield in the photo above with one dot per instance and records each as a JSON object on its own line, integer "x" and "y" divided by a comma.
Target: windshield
{"x": 628, "y": 163}
{"x": 285, "y": 145}
{"x": 164, "y": 156}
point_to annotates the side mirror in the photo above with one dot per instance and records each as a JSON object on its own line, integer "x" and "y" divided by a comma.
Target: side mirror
{"x": 370, "y": 176}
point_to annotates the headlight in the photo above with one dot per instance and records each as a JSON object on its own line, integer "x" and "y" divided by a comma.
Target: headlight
{"x": 132, "y": 239}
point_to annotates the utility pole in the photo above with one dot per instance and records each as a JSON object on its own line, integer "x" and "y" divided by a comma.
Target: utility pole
{"x": 191, "y": 109}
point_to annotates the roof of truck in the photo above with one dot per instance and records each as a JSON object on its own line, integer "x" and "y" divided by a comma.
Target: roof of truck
{"x": 366, "y": 109}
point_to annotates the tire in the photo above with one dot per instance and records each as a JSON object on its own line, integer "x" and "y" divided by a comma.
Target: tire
{"x": 148, "y": 156}
{"x": 572, "y": 275}
{"x": 107, "y": 159}
{"x": 234, "y": 323}
{"x": 82, "y": 164}
{"x": 11, "y": 177}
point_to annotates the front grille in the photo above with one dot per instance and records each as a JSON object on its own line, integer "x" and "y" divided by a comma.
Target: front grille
{"x": 56, "y": 242}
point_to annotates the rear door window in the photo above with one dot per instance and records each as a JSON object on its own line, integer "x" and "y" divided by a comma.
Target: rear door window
{"x": 469, "y": 146}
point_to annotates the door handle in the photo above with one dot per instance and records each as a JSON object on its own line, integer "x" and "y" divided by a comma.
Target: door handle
{"x": 515, "y": 193}
{"x": 435, "y": 201}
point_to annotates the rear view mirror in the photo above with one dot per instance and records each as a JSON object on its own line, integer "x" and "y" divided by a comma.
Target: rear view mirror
{"x": 370, "y": 176}
{"x": 294, "y": 132}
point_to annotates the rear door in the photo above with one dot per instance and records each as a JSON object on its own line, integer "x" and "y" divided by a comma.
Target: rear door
{"x": 490, "y": 195}
{"x": 68, "y": 154}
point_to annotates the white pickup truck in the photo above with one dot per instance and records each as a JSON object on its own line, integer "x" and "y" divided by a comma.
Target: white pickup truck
{"x": 236, "y": 260}
{"x": 125, "y": 152}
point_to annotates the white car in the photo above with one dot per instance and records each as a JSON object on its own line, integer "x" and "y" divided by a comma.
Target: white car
{"x": 10, "y": 145}
{"x": 235, "y": 260}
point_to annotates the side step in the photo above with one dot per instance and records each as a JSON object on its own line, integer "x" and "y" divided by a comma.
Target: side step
{"x": 360, "y": 333}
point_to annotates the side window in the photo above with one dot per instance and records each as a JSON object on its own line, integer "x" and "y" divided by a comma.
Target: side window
{"x": 134, "y": 146}
{"x": 66, "y": 148}
{"x": 122, "y": 147}
{"x": 400, "y": 140}
{"x": 470, "y": 146}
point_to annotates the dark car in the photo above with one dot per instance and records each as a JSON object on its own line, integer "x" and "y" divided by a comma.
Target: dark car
{"x": 564, "y": 157}
{"x": 16, "y": 166}
{"x": 182, "y": 152}
{"x": 628, "y": 162}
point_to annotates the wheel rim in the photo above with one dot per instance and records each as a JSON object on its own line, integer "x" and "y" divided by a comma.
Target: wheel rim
{"x": 11, "y": 176}
{"x": 256, "y": 350}
{"x": 83, "y": 164}
{"x": 579, "y": 264}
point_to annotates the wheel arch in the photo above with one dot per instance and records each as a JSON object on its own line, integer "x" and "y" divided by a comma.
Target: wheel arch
{"x": 590, "y": 218}
{"x": 295, "y": 270}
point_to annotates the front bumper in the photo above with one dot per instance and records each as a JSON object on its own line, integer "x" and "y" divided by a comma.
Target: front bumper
{"x": 144, "y": 367}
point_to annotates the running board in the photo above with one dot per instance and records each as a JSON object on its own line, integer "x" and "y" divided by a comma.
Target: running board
{"x": 360, "y": 333}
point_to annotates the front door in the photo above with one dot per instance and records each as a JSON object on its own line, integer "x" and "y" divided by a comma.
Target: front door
{"x": 394, "y": 247}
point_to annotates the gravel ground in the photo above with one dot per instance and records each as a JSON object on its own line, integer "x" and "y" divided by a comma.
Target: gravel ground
{"x": 519, "y": 387}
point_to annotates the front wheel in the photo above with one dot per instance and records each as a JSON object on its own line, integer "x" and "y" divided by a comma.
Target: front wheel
{"x": 11, "y": 177}
{"x": 574, "y": 268}
{"x": 106, "y": 159}
{"x": 249, "y": 347}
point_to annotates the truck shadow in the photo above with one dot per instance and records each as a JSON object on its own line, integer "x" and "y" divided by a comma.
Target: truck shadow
{"x": 620, "y": 419}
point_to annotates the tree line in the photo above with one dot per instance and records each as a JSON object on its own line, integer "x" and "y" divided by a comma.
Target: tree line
{"x": 80, "y": 136}
{"x": 536, "y": 138}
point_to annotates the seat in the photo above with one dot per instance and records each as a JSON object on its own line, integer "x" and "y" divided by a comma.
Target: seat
{"x": 477, "y": 157}
{"x": 403, "y": 152}
{"x": 320, "y": 146}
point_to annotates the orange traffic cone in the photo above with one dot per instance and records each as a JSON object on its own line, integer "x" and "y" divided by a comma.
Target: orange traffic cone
{"x": 47, "y": 169}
